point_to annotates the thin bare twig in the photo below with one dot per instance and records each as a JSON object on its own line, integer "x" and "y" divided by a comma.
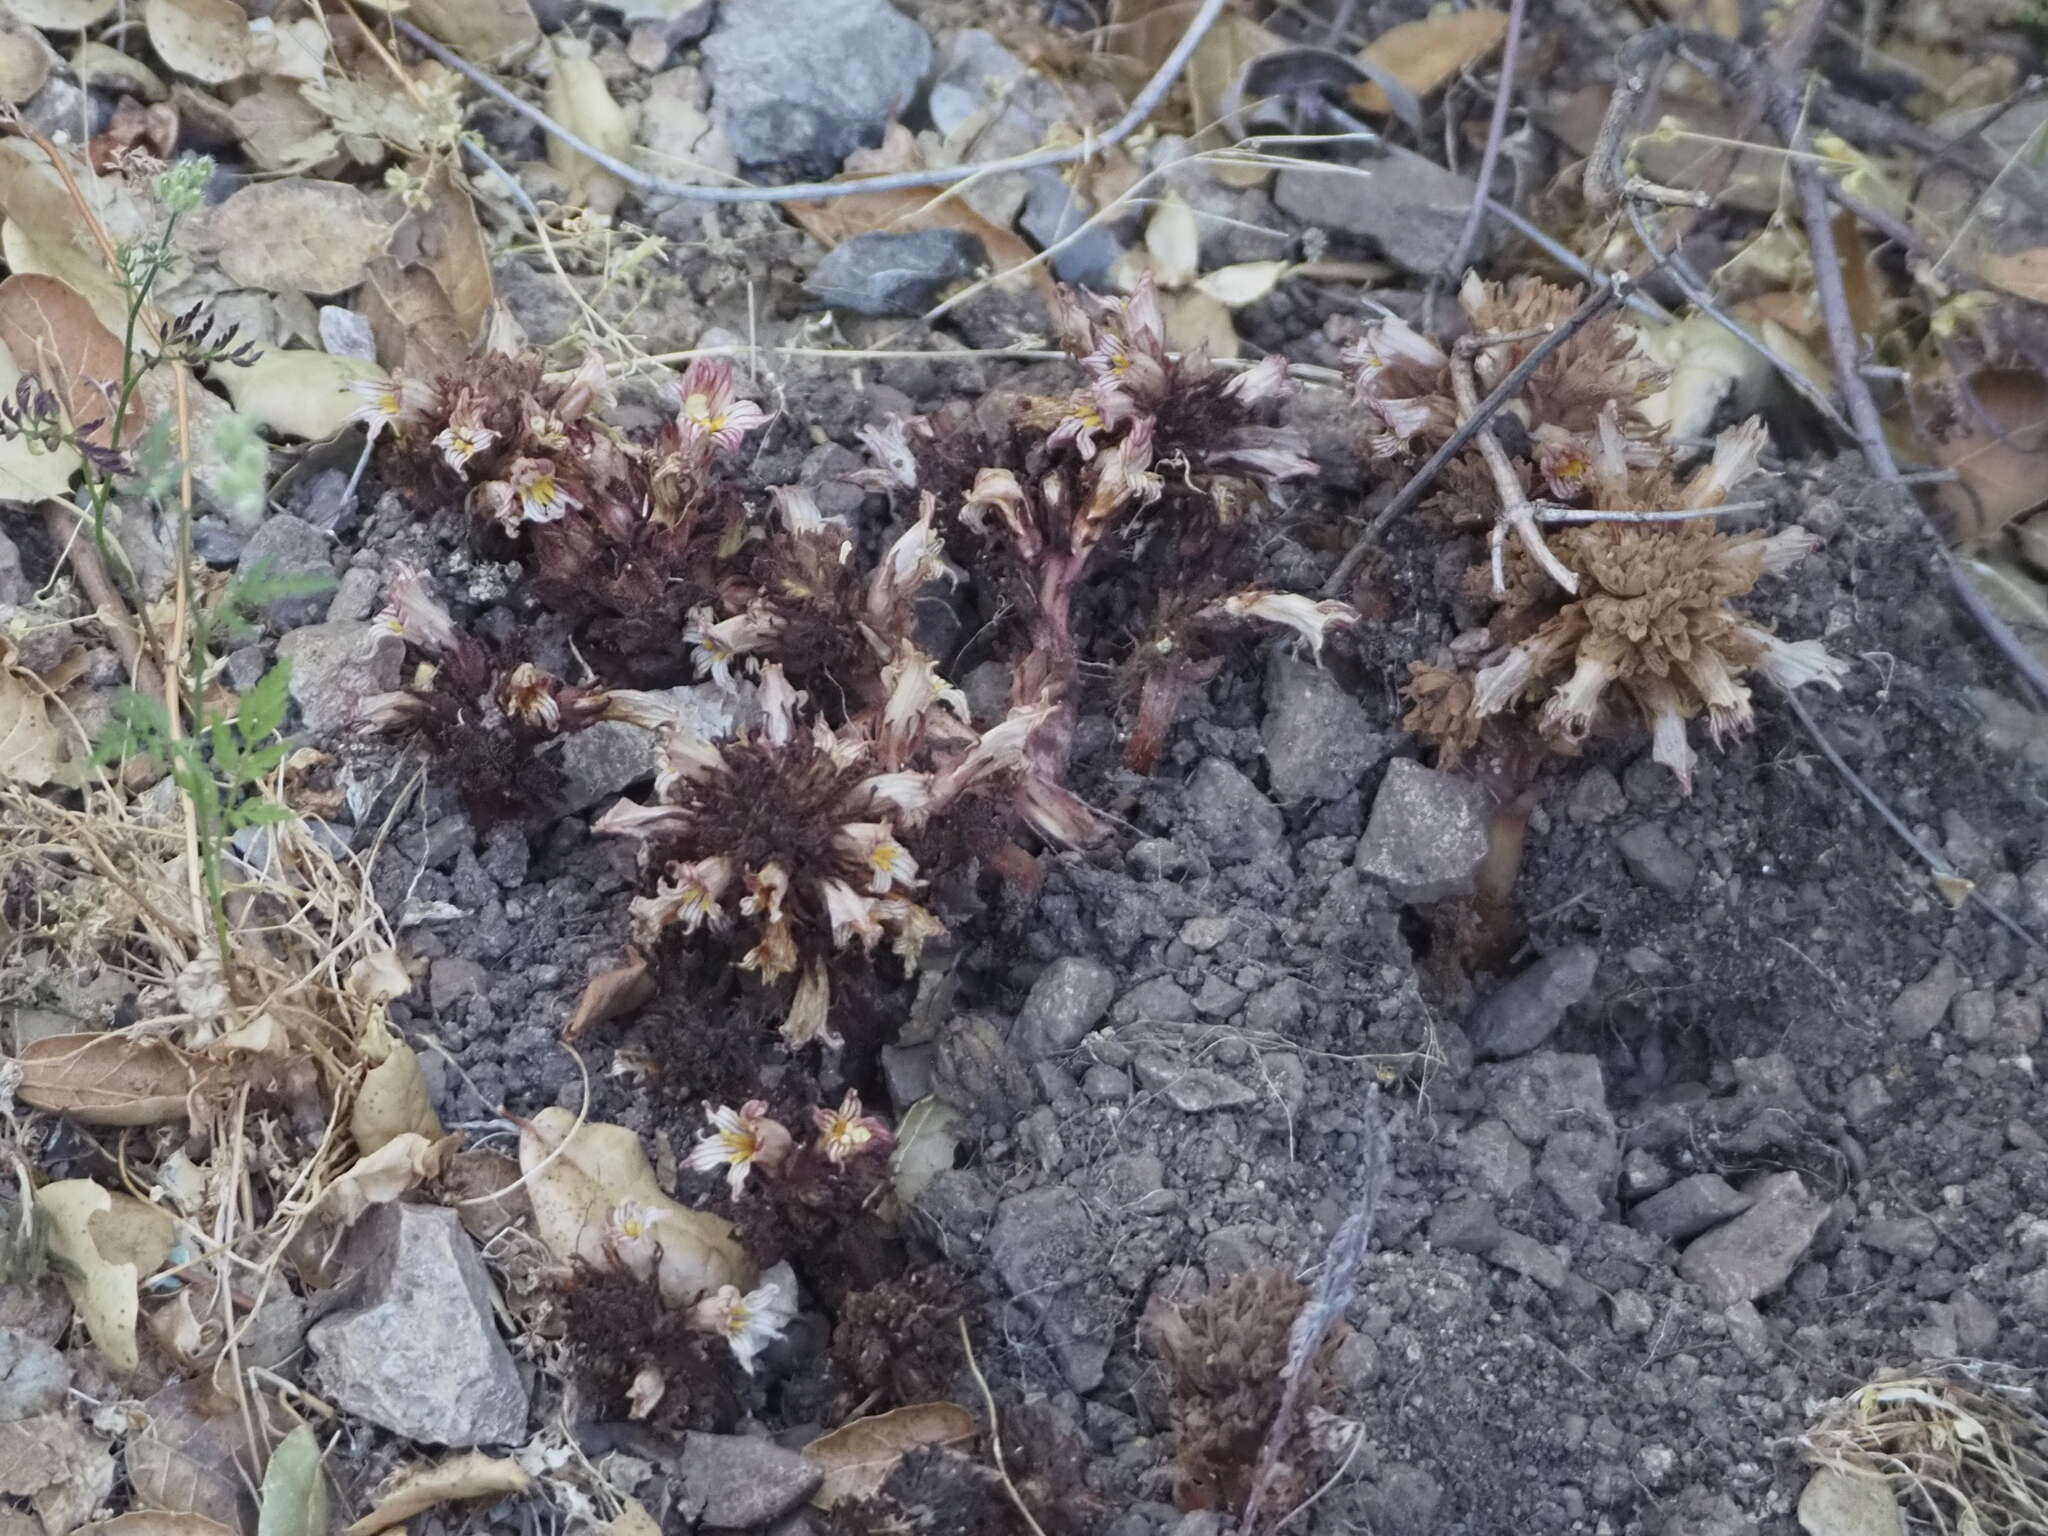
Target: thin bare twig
{"x": 1496, "y": 132}
{"x": 1146, "y": 102}
{"x": 995, "y": 1433}
{"x": 1515, "y": 511}
{"x": 1596, "y": 304}
{"x": 1937, "y": 866}
{"x": 1335, "y": 1287}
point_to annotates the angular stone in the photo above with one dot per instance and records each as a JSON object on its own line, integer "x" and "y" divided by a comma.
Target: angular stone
{"x": 1162, "y": 1000}
{"x": 1191, "y": 1090}
{"x": 612, "y": 756}
{"x": 1689, "y": 1207}
{"x": 736, "y": 1482}
{"x": 1069, "y": 998}
{"x": 1537, "y": 1094}
{"x": 1318, "y": 738}
{"x": 1041, "y": 1245}
{"x": 1412, "y": 209}
{"x": 1518, "y": 1017}
{"x": 811, "y": 80}
{"x": 286, "y": 549}
{"x": 1497, "y": 1162}
{"x": 1903, "y": 1237}
{"x": 418, "y": 1353}
{"x": 1232, "y": 814}
{"x": 1656, "y": 860}
{"x": 1755, "y": 1254}
{"x": 977, "y": 1072}
{"x": 1465, "y": 1224}
{"x": 1920, "y": 1007}
{"x": 1427, "y": 833}
{"x": 336, "y": 666}
{"x": 886, "y": 272}
{"x": 1530, "y": 1259}
{"x": 1579, "y": 1167}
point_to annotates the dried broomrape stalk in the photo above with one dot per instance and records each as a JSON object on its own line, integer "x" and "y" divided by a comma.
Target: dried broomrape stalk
{"x": 1646, "y": 626}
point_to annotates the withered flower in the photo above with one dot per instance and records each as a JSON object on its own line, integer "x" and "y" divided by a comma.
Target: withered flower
{"x": 387, "y": 405}
{"x": 539, "y": 494}
{"x": 464, "y": 437}
{"x": 1310, "y": 619}
{"x": 845, "y": 1132}
{"x": 749, "y": 1323}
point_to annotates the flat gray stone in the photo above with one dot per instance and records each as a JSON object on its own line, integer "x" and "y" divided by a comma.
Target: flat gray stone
{"x": 1689, "y": 1207}
{"x": 811, "y": 80}
{"x": 1656, "y": 860}
{"x": 610, "y": 757}
{"x": 1191, "y": 1090}
{"x": 336, "y": 666}
{"x": 1530, "y": 1259}
{"x": 1580, "y": 1168}
{"x": 1232, "y": 814}
{"x": 887, "y": 272}
{"x": 736, "y": 1482}
{"x": 1920, "y": 1006}
{"x": 1498, "y": 1163}
{"x": 1755, "y": 1254}
{"x": 1427, "y": 833}
{"x": 1069, "y": 998}
{"x": 286, "y": 549}
{"x": 419, "y": 1353}
{"x": 1412, "y": 210}
{"x": 1525, "y": 1012}
{"x": 1040, "y": 1245}
{"x": 1318, "y": 738}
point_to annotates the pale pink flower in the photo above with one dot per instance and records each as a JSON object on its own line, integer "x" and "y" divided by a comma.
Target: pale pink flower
{"x": 845, "y": 1132}
{"x": 739, "y": 1141}
{"x": 750, "y": 1322}
{"x": 851, "y": 914}
{"x": 872, "y": 846}
{"x": 387, "y": 404}
{"x": 414, "y": 615}
{"x": 541, "y": 497}
{"x": 712, "y": 411}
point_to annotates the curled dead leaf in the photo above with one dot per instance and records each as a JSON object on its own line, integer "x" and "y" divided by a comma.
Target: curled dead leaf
{"x": 579, "y": 99}
{"x": 112, "y": 1079}
{"x": 1424, "y": 54}
{"x": 393, "y": 1101}
{"x": 298, "y": 393}
{"x": 54, "y": 335}
{"x": 493, "y": 33}
{"x": 32, "y": 747}
{"x": 402, "y": 1164}
{"x": 472, "y": 1475}
{"x": 1999, "y": 451}
{"x": 107, "y": 1243}
{"x": 859, "y": 1457}
{"x": 611, "y": 995}
{"x": 25, "y": 60}
{"x": 299, "y": 232}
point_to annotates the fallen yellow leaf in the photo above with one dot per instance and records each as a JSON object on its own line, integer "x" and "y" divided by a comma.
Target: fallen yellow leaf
{"x": 1424, "y": 54}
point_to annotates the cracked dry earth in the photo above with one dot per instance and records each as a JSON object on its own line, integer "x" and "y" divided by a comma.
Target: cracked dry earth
{"x": 1744, "y": 1113}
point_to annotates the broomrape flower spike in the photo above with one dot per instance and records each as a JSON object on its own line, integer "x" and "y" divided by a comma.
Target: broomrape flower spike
{"x": 388, "y": 405}
{"x": 711, "y": 411}
{"x": 845, "y": 1132}
{"x": 740, "y": 1140}
{"x": 463, "y": 439}
{"x": 541, "y": 498}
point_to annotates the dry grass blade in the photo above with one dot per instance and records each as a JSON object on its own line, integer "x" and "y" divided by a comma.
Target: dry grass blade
{"x": 1964, "y": 1441}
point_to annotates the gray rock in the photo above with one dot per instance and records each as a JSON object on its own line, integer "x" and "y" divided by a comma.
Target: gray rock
{"x": 1053, "y": 211}
{"x": 811, "y": 80}
{"x": 246, "y": 666}
{"x": 1040, "y": 1244}
{"x": 1105, "y": 1084}
{"x": 977, "y": 1072}
{"x": 336, "y": 666}
{"x": 1202, "y": 934}
{"x": 735, "y": 1482}
{"x": 1689, "y": 1207}
{"x": 1539, "y": 1094}
{"x": 1920, "y": 1007}
{"x": 1520, "y": 1016}
{"x": 1218, "y": 999}
{"x": 1191, "y": 1090}
{"x": 1319, "y": 740}
{"x": 451, "y": 978}
{"x": 284, "y": 549}
{"x": 975, "y": 74}
{"x": 505, "y": 855}
{"x": 909, "y": 1070}
{"x": 1530, "y": 1259}
{"x": 1865, "y": 1099}
{"x": 1972, "y": 1015}
{"x": 1976, "y": 1324}
{"x": 1412, "y": 210}
{"x": 1903, "y": 1237}
{"x": 612, "y": 756}
{"x": 418, "y": 1351}
{"x": 2034, "y": 894}
{"x": 1234, "y": 1250}
{"x": 217, "y": 541}
{"x": 1278, "y": 1010}
{"x": 1496, "y": 1161}
{"x": 1597, "y": 797}
{"x": 1755, "y": 1254}
{"x": 1069, "y": 998}
{"x": 1426, "y": 836}
{"x": 1162, "y": 1000}
{"x": 1655, "y": 860}
{"x": 1401, "y": 1497}
{"x": 1580, "y": 1168}
{"x": 890, "y": 273}
{"x": 14, "y": 585}
{"x": 358, "y": 595}
{"x": 1642, "y": 1174}
{"x": 34, "y": 1378}
{"x": 1465, "y": 1224}
{"x": 1231, "y": 814}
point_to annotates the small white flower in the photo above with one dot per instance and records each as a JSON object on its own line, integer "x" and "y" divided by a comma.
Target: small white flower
{"x": 414, "y": 615}
{"x": 712, "y": 411}
{"x": 388, "y": 404}
{"x": 805, "y": 1023}
{"x": 1736, "y": 452}
{"x": 1795, "y": 663}
{"x": 749, "y": 1323}
{"x": 845, "y": 1132}
{"x": 1391, "y": 343}
{"x": 1497, "y": 687}
{"x": 912, "y": 926}
{"x": 766, "y": 887}
{"x": 630, "y": 1234}
{"x": 1308, "y": 618}
{"x": 775, "y": 955}
{"x": 914, "y": 687}
{"x": 645, "y": 1394}
{"x": 688, "y": 898}
{"x": 681, "y": 757}
{"x": 872, "y": 845}
{"x": 528, "y": 695}
{"x": 779, "y": 700}
{"x": 1265, "y": 380}
{"x": 1569, "y": 712}
{"x": 1668, "y": 742}
{"x": 889, "y": 445}
{"x": 462, "y": 440}
{"x": 915, "y": 559}
{"x": 540, "y": 494}
{"x": 740, "y": 1139}
{"x": 629, "y": 819}
{"x": 906, "y": 791}
{"x": 852, "y": 915}
{"x": 798, "y": 508}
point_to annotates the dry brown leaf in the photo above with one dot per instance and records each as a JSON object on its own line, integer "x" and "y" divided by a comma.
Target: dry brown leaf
{"x": 842, "y": 218}
{"x": 472, "y": 1475}
{"x": 156, "y": 1522}
{"x": 859, "y": 1457}
{"x": 1424, "y": 54}
{"x": 32, "y": 747}
{"x": 151, "y": 131}
{"x": 53, "y": 334}
{"x": 281, "y": 130}
{"x": 2023, "y": 273}
{"x": 63, "y": 15}
{"x": 393, "y": 1101}
{"x": 108, "y": 1243}
{"x": 61, "y": 1469}
{"x": 207, "y": 40}
{"x": 418, "y": 332}
{"x": 25, "y": 60}
{"x": 2001, "y": 477}
{"x": 111, "y": 70}
{"x": 1195, "y": 322}
{"x": 315, "y": 236}
{"x": 484, "y": 1188}
{"x": 579, "y": 99}
{"x": 183, "y": 1459}
{"x": 493, "y": 33}
{"x": 1218, "y": 65}
{"x": 298, "y": 393}
{"x": 447, "y": 240}
{"x": 1752, "y": 185}
{"x": 611, "y": 995}
{"x": 111, "y": 1079}
{"x": 401, "y": 1165}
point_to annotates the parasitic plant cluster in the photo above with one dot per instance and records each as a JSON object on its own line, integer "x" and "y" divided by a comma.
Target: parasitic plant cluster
{"x": 1614, "y": 596}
